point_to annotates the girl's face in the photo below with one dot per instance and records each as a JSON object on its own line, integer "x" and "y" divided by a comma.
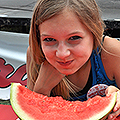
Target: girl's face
{"x": 66, "y": 43}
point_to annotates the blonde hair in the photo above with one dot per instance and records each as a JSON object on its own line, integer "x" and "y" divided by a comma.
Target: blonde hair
{"x": 86, "y": 10}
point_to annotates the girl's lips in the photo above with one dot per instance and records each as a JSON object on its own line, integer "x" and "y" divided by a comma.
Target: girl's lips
{"x": 65, "y": 63}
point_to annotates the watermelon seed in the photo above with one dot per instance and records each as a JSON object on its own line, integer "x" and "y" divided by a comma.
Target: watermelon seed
{"x": 74, "y": 110}
{"x": 70, "y": 104}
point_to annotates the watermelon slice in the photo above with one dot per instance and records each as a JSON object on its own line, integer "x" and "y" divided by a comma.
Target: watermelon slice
{"x": 29, "y": 105}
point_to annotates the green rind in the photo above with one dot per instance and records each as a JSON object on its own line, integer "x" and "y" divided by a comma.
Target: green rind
{"x": 106, "y": 110}
{"x": 20, "y": 113}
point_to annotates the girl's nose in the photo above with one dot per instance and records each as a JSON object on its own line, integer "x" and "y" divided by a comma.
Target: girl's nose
{"x": 62, "y": 51}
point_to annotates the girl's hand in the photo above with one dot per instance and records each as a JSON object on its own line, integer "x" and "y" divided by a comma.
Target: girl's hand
{"x": 116, "y": 109}
{"x": 47, "y": 79}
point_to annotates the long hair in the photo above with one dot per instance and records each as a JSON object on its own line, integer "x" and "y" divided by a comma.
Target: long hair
{"x": 88, "y": 13}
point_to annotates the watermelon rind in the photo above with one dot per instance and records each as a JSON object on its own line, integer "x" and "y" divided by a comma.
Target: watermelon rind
{"x": 16, "y": 107}
{"x": 20, "y": 112}
{"x": 107, "y": 110}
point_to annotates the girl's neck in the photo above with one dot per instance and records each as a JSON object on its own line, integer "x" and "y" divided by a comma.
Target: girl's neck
{"x": 80, "y": 77}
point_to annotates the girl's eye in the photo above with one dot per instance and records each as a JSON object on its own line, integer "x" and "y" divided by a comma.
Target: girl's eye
{"x": 74, "y": 38}
{"x": 49, "y": 39}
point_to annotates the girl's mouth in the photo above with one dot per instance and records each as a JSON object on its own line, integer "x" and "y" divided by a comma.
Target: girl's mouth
{"x": 67, "y": 63}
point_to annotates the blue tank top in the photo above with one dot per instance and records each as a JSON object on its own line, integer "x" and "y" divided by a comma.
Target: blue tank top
{"x": 98, "y": 74}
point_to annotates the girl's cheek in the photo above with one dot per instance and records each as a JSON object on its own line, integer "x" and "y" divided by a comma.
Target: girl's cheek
{"x": 48, "y": 52}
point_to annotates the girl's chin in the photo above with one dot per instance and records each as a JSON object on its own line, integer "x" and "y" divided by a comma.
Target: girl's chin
{"x": 66, "y": 72}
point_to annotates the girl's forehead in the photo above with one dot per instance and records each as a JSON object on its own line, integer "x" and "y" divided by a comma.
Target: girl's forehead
{"x": 63, "y": 24}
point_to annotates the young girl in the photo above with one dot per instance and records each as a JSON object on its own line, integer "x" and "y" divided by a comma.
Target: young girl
{"x": 68, "y": 53}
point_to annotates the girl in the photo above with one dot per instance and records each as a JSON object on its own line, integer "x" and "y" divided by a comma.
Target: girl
{"x": 68, "y": 53}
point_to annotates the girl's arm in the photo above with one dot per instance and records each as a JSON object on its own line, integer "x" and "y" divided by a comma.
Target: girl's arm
{"x": 47, "y": 79}
{"x": 111, "y": 62}
{"x": 111, "y": 59}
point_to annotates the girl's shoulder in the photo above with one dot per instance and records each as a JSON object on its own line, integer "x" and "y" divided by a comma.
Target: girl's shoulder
{"x": 111, "y": 46}
{"x": 110, "y": 56}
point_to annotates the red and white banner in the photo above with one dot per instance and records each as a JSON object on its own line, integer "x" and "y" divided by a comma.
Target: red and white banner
{"x": 13, "y": 47}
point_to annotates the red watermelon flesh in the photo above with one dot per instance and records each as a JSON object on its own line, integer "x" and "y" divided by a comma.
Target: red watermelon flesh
{"x": 29, "y": 105}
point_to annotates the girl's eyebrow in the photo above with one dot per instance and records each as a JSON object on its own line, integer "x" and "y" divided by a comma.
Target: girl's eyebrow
{"x": 45, "y": 35}
{"x": 72, "y": 33}
{"x": 76, "y": 32}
